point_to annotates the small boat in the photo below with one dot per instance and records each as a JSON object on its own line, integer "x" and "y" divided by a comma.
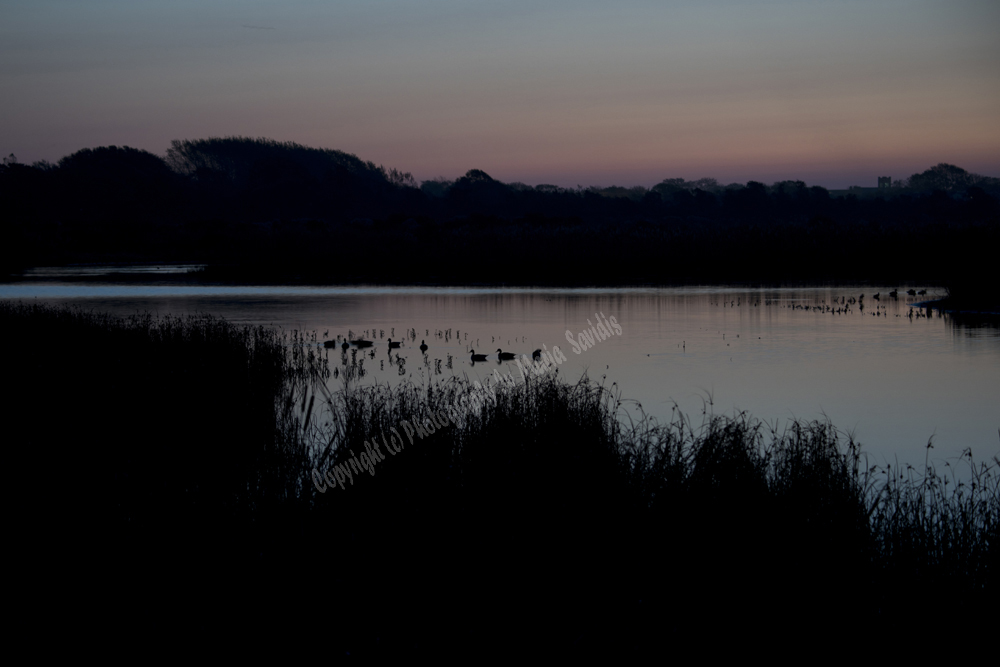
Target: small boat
{"x": 393, "y": 346}
{"x": 477, "y": 357}
{"x": 505, "y": 356}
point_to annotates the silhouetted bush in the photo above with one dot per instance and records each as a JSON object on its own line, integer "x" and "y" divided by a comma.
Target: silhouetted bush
{"x": 257, "y": 209}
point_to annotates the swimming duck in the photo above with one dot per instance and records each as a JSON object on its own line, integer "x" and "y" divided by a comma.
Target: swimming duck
{"x": 504, "y": 356}
{"x": 423, "y": 346}
{"x": 477, "y": 357}
{"x": 393, "y": 346}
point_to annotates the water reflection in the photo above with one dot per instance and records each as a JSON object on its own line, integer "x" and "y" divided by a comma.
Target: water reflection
{"x": 879, "y": 367}
{"x": 973, "y": 324}
{"x": 105, "y": 271}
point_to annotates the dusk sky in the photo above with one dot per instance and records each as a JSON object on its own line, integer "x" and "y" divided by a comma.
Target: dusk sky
{"x": 627, "y": 93}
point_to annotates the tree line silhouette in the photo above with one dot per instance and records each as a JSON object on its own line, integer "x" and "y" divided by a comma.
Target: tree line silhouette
{"x": 262, "y": 209}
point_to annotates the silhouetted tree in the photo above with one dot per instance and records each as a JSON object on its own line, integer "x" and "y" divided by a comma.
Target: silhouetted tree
{"x": 950, "y": 179}
{"x": 112, "y": 183}
{"x": 436, "y": 187}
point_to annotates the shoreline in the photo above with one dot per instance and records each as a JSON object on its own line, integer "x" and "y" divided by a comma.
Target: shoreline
{"x": 279, "y": 279}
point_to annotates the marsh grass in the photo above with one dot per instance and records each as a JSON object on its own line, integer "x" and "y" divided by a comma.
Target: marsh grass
{"x": 691, "y": 525}
{"x": 145, "y": 454}
{"x": 938, "y": 528}
{"x": 174, "y": 457}
{"x": 162, "y": 392}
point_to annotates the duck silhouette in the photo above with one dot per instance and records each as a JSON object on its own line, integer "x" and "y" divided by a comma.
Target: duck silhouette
{"x": 392, "y": 345}
{"x": 362, "y": 342}
{"x": 423, "y": 346}
{"x": 505, "y": 356}
{"x": 536, "y": 355}
{"x": 477, "y": 357}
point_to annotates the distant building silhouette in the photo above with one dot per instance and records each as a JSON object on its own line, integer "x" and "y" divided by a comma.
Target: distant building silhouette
{"x": 861, "y": 192}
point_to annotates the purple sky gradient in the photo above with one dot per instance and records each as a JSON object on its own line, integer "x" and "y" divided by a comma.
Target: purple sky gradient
{"x": 568, "y": 93}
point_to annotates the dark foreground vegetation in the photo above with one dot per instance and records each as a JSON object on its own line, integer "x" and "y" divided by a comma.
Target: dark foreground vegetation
{"x": 159, "y": 472}
{"x": 259, "y": 210}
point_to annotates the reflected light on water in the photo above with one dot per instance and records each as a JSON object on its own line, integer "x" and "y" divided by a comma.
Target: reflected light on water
{"x": 881, "y": 369}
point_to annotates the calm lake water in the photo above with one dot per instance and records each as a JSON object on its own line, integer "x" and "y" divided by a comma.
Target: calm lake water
{"x": 893, "y": 380}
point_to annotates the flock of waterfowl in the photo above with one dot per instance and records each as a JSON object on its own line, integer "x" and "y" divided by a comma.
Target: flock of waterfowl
{"x": 503, "y": 356}
{"x": 844, "y": 305}
{"x": 362, "y": 343}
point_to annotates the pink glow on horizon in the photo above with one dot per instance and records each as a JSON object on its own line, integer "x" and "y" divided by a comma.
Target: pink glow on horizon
{"x": 545, "y": 92}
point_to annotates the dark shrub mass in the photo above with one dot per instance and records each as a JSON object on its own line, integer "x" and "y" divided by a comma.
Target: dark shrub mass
{"x": 265, "y": 211}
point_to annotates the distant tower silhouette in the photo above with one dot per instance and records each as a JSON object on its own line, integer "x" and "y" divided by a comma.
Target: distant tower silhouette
{"x": 884, "y": 182}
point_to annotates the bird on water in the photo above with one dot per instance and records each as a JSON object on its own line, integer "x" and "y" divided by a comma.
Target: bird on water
{"x": 423, "y": 346}
{"x": 477, "y": 357}
{"x": 503, "y": 356}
